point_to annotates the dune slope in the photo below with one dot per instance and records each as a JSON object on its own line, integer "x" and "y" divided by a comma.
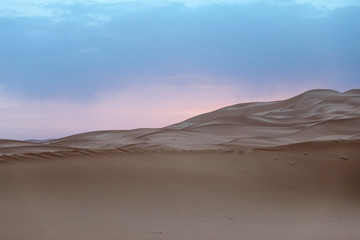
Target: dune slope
{"x": 311, "y": 116}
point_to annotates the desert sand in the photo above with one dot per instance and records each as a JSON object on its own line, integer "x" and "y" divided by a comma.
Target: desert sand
{"x": 277, "y": 170}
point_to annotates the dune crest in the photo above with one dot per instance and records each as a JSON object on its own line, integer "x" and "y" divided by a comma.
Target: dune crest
{"x": 316, "y": 115}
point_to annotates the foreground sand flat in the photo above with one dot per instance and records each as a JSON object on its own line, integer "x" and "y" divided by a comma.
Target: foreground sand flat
{"x": 294, "y": 192}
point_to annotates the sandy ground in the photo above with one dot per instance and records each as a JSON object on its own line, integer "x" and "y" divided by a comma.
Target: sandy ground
{"x": 309, "y": 193}
{"x": 280, "y": 170}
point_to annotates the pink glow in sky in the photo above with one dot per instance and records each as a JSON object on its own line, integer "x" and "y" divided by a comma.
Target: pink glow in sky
{"x": 137, "y": 106}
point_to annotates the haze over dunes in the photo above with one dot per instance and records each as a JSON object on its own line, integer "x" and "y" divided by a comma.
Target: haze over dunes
{"x": 264, "y": 170}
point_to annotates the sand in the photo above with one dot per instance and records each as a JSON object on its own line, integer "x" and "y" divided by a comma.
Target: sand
{"x": 278, "y": 170}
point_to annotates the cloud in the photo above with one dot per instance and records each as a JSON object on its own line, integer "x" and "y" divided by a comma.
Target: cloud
{"x": 321, "y": 4}
{"x": 329, "y": 5}
{"x": 52, "y": 8}
{"x": 24, "y": 8}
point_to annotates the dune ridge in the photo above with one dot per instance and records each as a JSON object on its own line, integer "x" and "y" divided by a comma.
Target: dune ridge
{"x": 316, "y": 115}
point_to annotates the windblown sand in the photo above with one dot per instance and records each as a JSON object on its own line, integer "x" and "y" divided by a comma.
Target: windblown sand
{"x": 249, "y": 171}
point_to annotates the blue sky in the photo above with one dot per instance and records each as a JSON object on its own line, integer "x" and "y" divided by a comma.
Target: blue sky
{"x": 73, "y": 66}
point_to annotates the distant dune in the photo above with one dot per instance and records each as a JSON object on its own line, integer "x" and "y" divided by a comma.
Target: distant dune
{"x": 277, "y": 170}
{"x": 316, "y": 115}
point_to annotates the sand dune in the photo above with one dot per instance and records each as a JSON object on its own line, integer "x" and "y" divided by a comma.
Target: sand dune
{"x": 313, "y": 115}
{"x": 316, "y": 114}
{"x": 273, "y": 170}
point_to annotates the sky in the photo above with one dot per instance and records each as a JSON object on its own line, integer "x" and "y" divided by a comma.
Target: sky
{"x": 68, "y": 66}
